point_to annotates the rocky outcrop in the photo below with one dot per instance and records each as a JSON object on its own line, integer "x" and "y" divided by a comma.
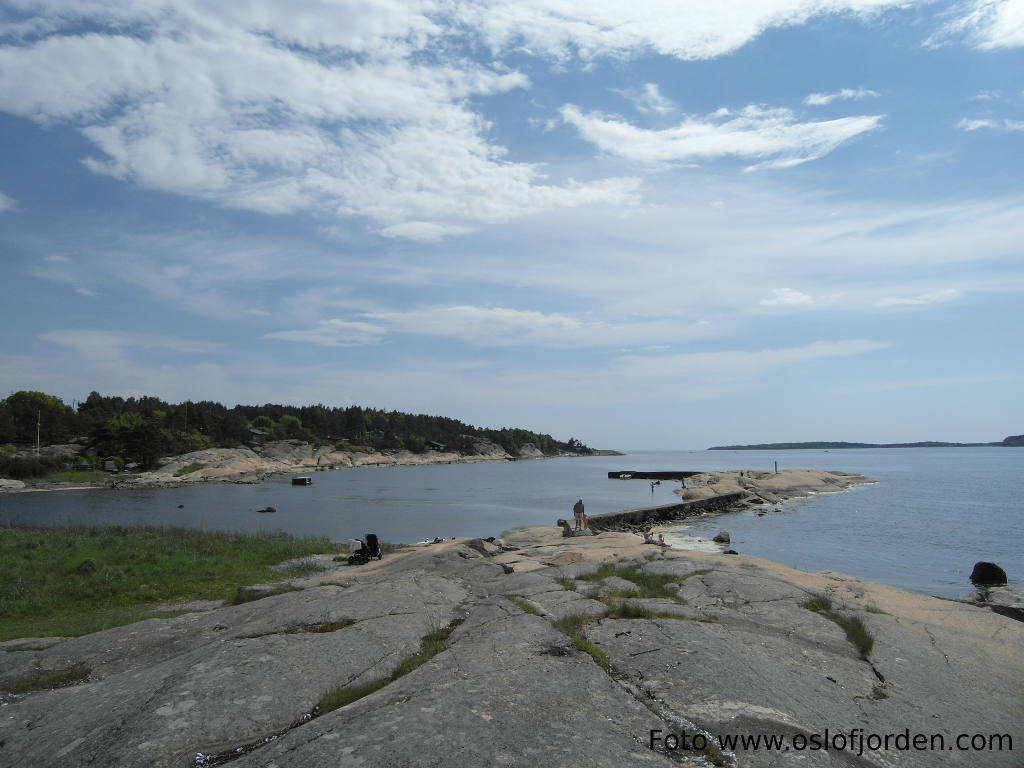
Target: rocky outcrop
{"x": 988, "y": 575}
{"x": 760, "y": 488}
{"x": 537, "y": 673}
{"x": 255, "y": 464}
{"x": 1004, "y": 600}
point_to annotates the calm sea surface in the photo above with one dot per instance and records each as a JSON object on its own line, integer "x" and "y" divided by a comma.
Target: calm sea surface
{"x": 922, "y": 526}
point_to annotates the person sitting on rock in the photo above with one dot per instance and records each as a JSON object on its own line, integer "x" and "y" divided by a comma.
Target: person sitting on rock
{"x": 661, "y": 541}
{"x": 649, "y": 537}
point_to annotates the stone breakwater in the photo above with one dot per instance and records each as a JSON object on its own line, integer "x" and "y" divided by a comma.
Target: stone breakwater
{"x": 726, "y": 491}
{"x": 541, "y": 667}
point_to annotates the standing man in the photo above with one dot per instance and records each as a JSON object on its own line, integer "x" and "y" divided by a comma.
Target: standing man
{"x": 577, "y": 512}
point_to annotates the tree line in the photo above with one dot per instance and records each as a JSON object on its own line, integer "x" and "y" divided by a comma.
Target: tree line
{"x": 143, "y": 429}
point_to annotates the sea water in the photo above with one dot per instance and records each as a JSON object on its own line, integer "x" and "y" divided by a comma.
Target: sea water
{"x": 932, "y": 513}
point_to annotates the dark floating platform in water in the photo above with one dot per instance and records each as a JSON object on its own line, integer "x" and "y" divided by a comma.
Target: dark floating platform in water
{"x": 304, "y": 480}
{"x": 628, "y": 474}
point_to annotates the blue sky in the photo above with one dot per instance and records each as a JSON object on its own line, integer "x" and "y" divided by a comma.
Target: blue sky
{"x": 663, "y": 223}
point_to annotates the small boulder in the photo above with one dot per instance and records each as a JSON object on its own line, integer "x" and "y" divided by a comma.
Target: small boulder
{"x": 483, "y": 546}
{"x": 722, "y": 537}
{"x": 988, "y": 574}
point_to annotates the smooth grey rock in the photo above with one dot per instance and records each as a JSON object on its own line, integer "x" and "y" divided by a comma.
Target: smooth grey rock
{"x": 161, "y": 691}
{"x": 617, "y": 584}
{"x": 564, "y": 603}
{"x": 31, "y": 643}
{"x": 509, "y": 691}
{"x": 722, "y": 537}
{"x": 1006, "y": 601}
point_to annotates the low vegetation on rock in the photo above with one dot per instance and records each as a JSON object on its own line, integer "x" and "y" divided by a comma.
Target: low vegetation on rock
{"x": 431, "y": 644}
{"x": 72, "y": 581}
{"x": 854, "y": 628}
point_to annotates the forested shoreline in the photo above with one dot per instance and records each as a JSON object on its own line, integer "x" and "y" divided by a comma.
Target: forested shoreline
{"x": 141, "y": 430}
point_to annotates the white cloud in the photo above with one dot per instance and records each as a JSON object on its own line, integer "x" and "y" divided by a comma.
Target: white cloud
{"x": 754, "y": 132}
{"x": 350, "y": 110}
{"x": 986, "y": 95}
{"x": 1004, "y": 124}
{"x": 846, "y": 94}
{"x": 924, "y": 299}
{"x": 974, "y": 125}
{"x": 333, "y": 333}
{"x": 787, "y": 297}
{"x": 423, "y": 231}
{"x": 487, "y": 325}
{"x": 108, "y": 344}
{"x": 6, "y": 203}
{"x": 986, "y": 24}
{"x": 685, "y": 30}
{"x": 649, "y": 99}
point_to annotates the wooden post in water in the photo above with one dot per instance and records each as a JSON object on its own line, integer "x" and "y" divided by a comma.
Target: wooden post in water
{"x": 776, "y": 467}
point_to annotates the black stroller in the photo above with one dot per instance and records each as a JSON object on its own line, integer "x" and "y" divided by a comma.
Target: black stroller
{"x": 368, "y": 550}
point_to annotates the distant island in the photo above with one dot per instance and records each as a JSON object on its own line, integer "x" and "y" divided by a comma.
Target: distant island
{"x": 1013, "y": 441}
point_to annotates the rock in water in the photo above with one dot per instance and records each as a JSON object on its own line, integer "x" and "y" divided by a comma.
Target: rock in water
{"x": 722, "y": 537}
{"x": 988, "y": 574}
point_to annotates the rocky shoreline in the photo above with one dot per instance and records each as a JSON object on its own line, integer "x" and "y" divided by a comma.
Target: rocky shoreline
{"x": 258, "y": 463}
{"x": 552, "y": 652}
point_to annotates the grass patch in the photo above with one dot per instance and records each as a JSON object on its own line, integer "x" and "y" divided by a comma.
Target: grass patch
{"x": 634, "y": 611}
{"x": 619, "y": 593}
{"x": 710, "y": 619}
{"x": 522, "y": 605}
{"x": 854, "y": 628}
{"x": 341, "y": 697}
{"x": 872, "y": 608}
{"x": 431, "y": 644}
{"x": 80, "y": 476}
{"x": 568, "y": 585}
{"x": 350, "y": 448}
{"x": 648, "y": 585}
{"x": 188, "y": 469}
{"x": 45, "y": 679}
{"x": 303, "y": 568}
{"x": 73, "y": 581}
{"x": 572, "y": 626}
{"x": 244, "y": 594}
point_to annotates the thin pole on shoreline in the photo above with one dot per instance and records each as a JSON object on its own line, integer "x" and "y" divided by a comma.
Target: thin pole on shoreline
{"x": 776, "y": 467}
{"x": 39, "y": 421}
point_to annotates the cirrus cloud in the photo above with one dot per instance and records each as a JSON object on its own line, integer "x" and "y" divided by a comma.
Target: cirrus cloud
{"x": 754, "y": 133}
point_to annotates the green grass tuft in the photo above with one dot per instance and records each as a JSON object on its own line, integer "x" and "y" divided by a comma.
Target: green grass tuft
{"x": 45, "y": 679}
{"x": 634, "y": 611}
{"x": 567, "y": 584}
{"x": 188, "y": 469}
{"x": 431, "y": 644}
{"x": 854, "y": 628}
{"x": 648, "y": 585}
{"x": 341, "y": 697}
{"x": 522, "y": 605}
{"x": 572, "y": 626}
